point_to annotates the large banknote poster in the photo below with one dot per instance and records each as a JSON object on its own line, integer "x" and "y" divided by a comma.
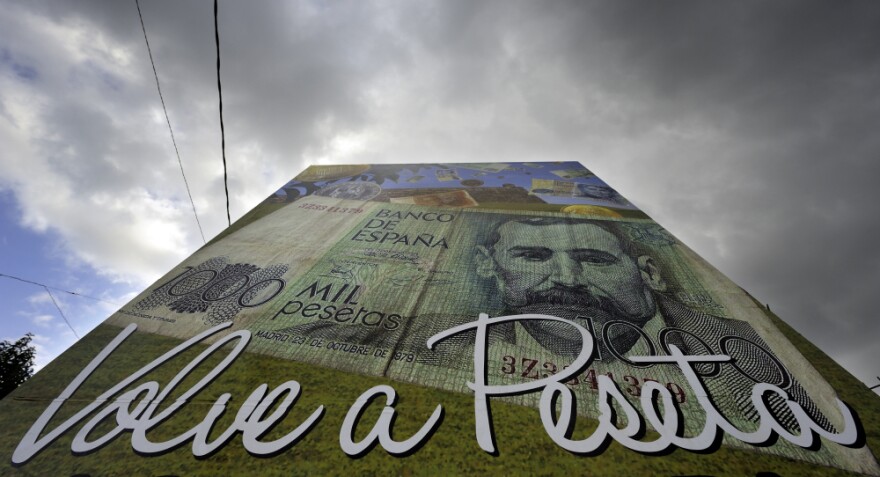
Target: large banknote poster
{"x": 360, "y": 269}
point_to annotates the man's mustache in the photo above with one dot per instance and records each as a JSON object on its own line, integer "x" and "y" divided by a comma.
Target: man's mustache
{"x": 578, "y": 296}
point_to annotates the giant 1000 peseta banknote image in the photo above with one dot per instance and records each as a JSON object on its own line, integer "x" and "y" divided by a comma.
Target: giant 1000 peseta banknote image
{"x": 364, "y": 285}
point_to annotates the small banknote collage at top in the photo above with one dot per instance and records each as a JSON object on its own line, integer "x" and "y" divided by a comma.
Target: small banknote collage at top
{"x": 539, "y": 186}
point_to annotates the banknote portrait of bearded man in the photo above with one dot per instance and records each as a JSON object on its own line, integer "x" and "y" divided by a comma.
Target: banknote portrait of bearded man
{"x": 572, "y": 269}
{"x": 588, "y": 270}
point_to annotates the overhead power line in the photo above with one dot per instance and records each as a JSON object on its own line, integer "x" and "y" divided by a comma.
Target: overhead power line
{"x": 58, "y": 289}
{"x": 61, "y": 312}
{"x": 222, "y": 132}
{"x": 52, "y": 297}
{"x": 170, "y": 130}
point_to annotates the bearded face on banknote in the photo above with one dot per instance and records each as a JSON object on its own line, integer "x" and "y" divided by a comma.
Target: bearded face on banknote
{"x": 572, "y": 269}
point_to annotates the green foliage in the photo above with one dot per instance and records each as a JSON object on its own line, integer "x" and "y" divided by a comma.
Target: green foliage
{"x": 16, "y": 363}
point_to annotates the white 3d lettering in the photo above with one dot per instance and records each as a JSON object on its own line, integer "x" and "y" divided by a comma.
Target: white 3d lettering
{"x": 249, "y": 420}
{"x": 382, "y": 429}
{"x": 253, "y": 425}
{"x": 665, "y": 425}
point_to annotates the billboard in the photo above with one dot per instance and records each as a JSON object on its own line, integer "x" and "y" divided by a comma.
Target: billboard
{"x": 454, "y": 318}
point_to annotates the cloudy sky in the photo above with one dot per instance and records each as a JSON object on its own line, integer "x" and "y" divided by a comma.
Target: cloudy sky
{"x": 748, "y": 129}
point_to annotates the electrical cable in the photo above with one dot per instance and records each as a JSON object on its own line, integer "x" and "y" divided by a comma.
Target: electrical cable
{"x": 161, "y": 98}
{"x": 222, "y": 131}
{"x": 62, "y": 313}
{"x": 58, "y": 289}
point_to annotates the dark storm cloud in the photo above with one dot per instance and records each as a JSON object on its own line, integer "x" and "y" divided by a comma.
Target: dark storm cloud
{"x": 794, "y": 87}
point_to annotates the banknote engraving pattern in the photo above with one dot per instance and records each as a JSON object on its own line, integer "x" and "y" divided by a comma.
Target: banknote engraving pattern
{"x": 217, "y": 289}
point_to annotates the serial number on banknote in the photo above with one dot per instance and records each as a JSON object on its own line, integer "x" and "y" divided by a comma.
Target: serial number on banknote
{"x": 529, "y": 368}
